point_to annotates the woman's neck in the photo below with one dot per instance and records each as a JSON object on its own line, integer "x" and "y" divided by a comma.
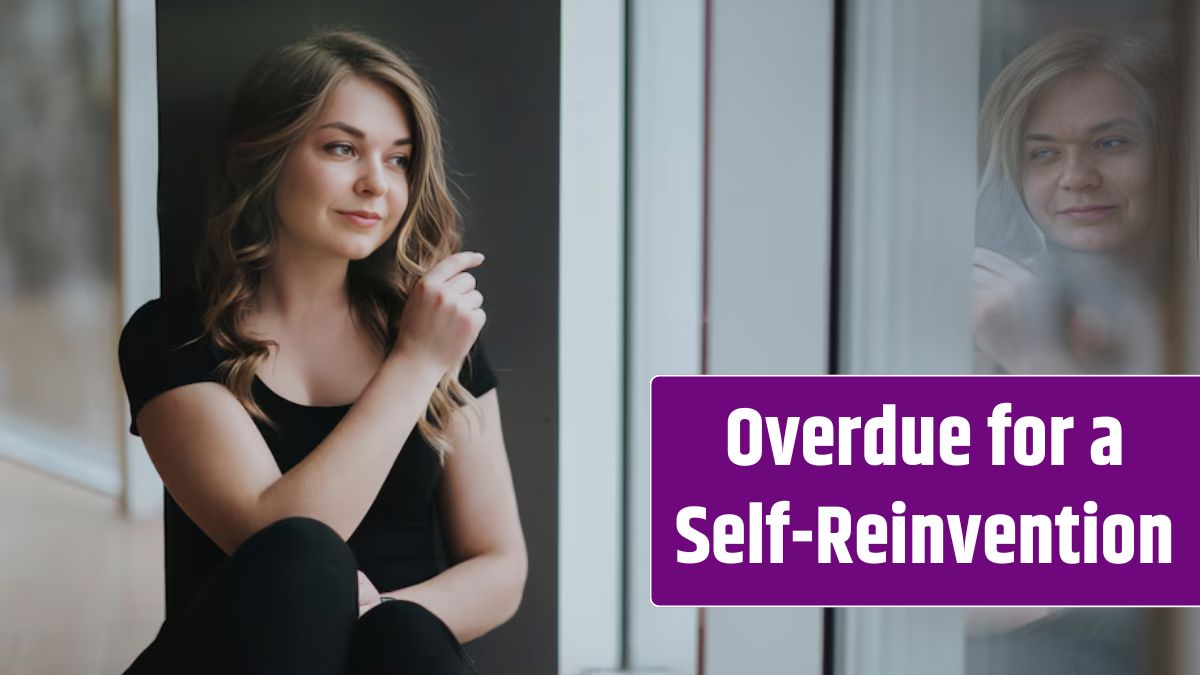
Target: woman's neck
{"x": 1145, "y": 260}
{"x": 299, "y": 286}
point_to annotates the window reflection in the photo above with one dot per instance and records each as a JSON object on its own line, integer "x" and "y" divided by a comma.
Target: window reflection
{"x": 1097, "y": 641}
{"x": 1080, "y": 156}
{"x": 1073, "y": 217}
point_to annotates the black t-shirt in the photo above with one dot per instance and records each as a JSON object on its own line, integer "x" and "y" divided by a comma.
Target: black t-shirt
{"x": 394, "y": 544}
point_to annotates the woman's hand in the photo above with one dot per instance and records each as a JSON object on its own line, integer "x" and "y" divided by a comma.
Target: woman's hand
{"x": 368, "y": 595}
{"x": 443, "y": 313}
{"x": 1027, "y": 325}
{"x": 1001, "y": 299}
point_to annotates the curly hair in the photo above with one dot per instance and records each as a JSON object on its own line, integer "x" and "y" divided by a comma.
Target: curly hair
{"x": 276, "y": 105}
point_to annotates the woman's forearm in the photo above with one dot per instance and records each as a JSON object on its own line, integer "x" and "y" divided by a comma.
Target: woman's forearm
{"x": 474, "y": 596}
{"x": 339, "y": 480}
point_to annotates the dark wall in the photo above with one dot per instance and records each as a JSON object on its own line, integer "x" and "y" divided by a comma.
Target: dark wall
{"x": 494, "y": 67}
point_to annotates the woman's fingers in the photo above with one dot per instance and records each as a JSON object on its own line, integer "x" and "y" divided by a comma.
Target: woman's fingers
{"x": 473, "y": 300}
{"x": 1089, "y": 331}
{"x": 452, "y": 265}
{"x": 367, "y": 592}
{"x": 985, "y": 277}
{"x": 998, "y": 276}
{"x": 462, "y": 282}
{"x": 999, "y": 264}
{"x": 989, "y": 259}
{"x": 439, "y": 320}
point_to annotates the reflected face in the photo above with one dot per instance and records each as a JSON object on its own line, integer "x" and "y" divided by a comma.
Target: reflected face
{"x": 1088, "y": 164}
{"x": 343, "y": 188}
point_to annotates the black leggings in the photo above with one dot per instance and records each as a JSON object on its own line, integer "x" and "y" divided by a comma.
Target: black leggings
{"x": 286, "y": 602}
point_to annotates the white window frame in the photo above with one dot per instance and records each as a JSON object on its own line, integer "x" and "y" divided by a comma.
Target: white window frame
{"x": 902, "y": 310}
{"x": 903, "y": 250}
{"x": 591, "y": 334}
{"x": 770, "y": 130}
{"x": 666, "y": 118}
{"x": 137, "y": 137}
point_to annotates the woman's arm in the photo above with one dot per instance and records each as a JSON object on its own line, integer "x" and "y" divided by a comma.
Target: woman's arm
{"x": 483, "y": 530}
{"x": 220, "y": 471}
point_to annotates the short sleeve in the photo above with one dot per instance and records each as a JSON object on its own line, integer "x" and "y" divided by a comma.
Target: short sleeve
{"x": 477, "y": 375}
{"x": 158, "y": 352}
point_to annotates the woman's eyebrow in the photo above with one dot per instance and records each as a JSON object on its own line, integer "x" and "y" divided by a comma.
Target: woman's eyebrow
{"x": 1103, "y": 126}
{"x": 358, "y": 133}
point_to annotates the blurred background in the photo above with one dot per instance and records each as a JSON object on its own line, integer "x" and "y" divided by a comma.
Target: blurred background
{"x": 662, "y": 187}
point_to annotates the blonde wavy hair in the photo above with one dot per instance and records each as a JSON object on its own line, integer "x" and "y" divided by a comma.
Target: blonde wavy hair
{"x": 277, "y": 104}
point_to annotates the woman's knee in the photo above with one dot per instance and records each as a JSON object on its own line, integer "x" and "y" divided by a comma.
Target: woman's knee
{"x": 294, "y": 533}
{"x": 300, "y": 550}
{"x": 404, "y": 637}
{"x": 289, "y": 601}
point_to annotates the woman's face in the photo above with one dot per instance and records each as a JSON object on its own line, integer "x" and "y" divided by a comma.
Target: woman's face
{"x": 1088, "y": 164}
{"x": 344, "y": 186}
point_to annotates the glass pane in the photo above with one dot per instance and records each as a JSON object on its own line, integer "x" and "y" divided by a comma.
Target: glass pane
{"x": 1074, "y": 212}
{"x": 1075, "y": 227}
{"x": 1075, "y": 178}
{"x": 58, "y": 312}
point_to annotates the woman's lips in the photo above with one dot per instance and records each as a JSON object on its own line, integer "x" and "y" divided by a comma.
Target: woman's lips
{"x": 361, "y": 218}
{"x": 1087, "y": 212}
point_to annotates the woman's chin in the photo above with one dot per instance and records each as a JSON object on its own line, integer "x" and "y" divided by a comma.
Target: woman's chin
{"x": 1100, "y": 238}
{"x": 358, "y": 250}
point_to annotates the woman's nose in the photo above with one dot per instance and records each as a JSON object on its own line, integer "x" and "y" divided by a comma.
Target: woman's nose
{"x": 371, "y": 181}
{"x": 1079, "y": 172}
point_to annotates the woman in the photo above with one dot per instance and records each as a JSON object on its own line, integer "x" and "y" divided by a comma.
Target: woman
{"x": 333, "y": 319}
{"x": 1078, "y": 140}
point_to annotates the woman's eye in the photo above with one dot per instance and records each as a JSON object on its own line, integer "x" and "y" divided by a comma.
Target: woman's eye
{"x": 402, "y": 161}
{"x": 1041, "y": 154}
{"x": 1110, "y": 143}
{"x": 340, "y": 149}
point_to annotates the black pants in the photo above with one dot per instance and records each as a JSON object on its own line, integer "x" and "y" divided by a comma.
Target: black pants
{"x": 286, "y": 602}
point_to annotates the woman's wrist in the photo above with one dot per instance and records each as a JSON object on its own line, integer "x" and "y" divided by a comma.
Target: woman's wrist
{"x": 416, "y": 368}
